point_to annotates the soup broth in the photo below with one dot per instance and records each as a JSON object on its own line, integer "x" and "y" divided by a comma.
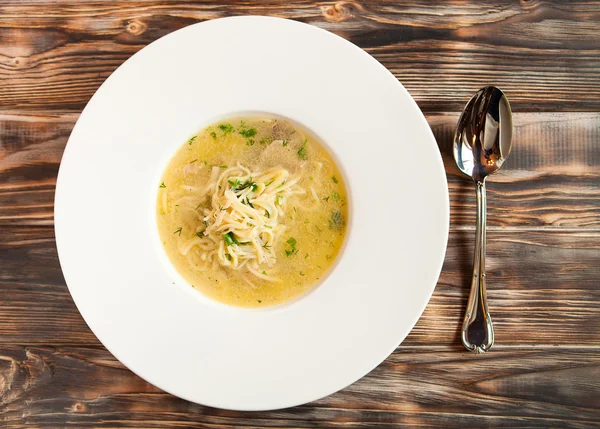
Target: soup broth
{"x": 252, "y": 211}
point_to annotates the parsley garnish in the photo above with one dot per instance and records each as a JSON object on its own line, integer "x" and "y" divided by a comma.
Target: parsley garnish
{"x": 264, "y": 273}
{"x": 192, "y": 161}
{"x": 250, "y": 132}
{"x": 177, "y": 231}
{"x": 335, "y": 195}
{"x": 234, "y": 183}
{"x": 162, "y": 185}
{"x": 265, "y": 140}
{"x": 302, "y": 154}
{"x": 259, "y": 301}
{"x": 213, "y": 135}
{"x": 230, "y": 239}
{"x": 326, "y": 199}
{"x": 226, "y": 128}
{"x": 335, "y": 180}
{"x": 190, "y": 141}
{"x": 285, "y": 142}
{"x": 292, "y": 243}
{"x": 223, "y": 166}
{"x": 250, "y": 142}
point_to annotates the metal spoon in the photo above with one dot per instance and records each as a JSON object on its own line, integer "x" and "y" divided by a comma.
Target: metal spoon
{"x": 481, "y": 145}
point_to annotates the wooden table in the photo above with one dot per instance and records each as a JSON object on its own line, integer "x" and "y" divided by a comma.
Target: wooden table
{"x": 544, "y": 216}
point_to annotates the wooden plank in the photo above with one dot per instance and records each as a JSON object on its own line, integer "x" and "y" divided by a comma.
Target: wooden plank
{"x": 543, "y": 290}
{"x": 551, "y": 179}
{"x": 545, "y": 55}
{"x": 440, "y": 388}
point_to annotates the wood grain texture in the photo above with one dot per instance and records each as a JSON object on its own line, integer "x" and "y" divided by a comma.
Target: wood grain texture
{"x": 551, "y": 179}
{"x": 544, "y": 54}
{"x": 544, "y": 216}
{"x": 81, "y": 387}
{"x": 543, "y": 290}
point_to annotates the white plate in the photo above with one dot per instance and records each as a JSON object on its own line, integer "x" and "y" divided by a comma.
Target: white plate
{"x": 228, "y": 357}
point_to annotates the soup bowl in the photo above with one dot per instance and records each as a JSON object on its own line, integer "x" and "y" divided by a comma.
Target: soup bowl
{"x": 185, "y": 343}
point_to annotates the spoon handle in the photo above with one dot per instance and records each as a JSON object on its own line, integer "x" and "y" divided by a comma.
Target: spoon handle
{"x": 477, "y": 330}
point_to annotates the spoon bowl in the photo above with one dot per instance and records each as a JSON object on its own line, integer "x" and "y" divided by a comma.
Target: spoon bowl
{"x": 483, "y": 134}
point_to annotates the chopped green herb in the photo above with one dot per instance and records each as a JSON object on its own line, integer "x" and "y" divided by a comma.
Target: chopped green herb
{"x": 247, "y": 202}
{"x": 223, "y": 166}
{"x": 311, "y": 178}
{"x": 162, "y": 185}
{"x": 267, "y": 214}
{"x": 335, "y": 195}
{"x": 259, "y": 301}
{"x": 295, "y": 211}
{"x": 306, "y": 256}
{"x": 292, "y": 243}
{"x": 254, "y": 187}
{"x": 177, "y": 231}
{"x": 335, "y": 180}
{"x": 301, "y": 273}
{"x": 266, "y": 246}
{"x": 326, "y": 199}
{"x": 198, "y": 206}
{"x": 230, "y": 239}
{"x": 302, "y": 154}
{"x": 213, "y": 135}
{"x": 193, "y": 160}
{"x": 226, "y": 128}
{"x": 285, "y": 142}
{"x": 246, "y": 184}
{"x": 266, "y": 140}
{"x": 199, "y": 234}
{"x": 234, "y": 183}
{"x": 264, "y": 273}
{"x": 250, "y": 132}
{"x": 269, "y": 183}
{"x": 250, "y": 142}
{"x": 191, "y": 140}
{"x": 337, "y": 221}
{"x": 306, "y": 221}
{"x": 205, "y": 223}
{"x": 328, "y": 257}
{"x": 279, "y": 200}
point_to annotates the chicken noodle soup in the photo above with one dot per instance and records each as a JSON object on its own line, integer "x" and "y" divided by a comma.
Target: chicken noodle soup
{"x": 252, "y": 211}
